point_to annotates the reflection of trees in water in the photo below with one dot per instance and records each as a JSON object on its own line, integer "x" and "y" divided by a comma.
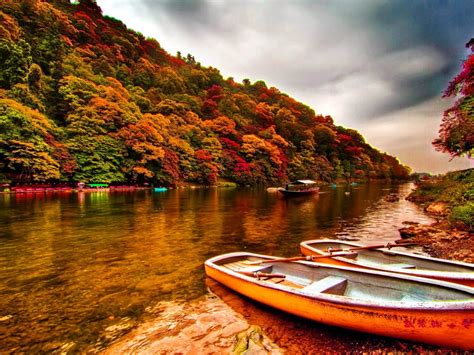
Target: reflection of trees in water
{"x": 78, "y": 259}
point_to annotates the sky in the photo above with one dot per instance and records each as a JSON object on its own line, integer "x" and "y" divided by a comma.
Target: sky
{"x": 378, "y": 66}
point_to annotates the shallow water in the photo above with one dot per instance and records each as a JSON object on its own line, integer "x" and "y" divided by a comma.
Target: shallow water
{"x": 78, "y": 270}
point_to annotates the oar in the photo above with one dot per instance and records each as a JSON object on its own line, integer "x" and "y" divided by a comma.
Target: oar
{"x": 259, "y": 274}
{"x": 397, "y": 243}
{"x": 297, "y": 258}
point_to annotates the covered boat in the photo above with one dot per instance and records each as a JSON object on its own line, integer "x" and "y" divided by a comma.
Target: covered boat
{"x": 386, "y": 259}
{"x": 406, "y": 307}
{"x": 299, "y": 188}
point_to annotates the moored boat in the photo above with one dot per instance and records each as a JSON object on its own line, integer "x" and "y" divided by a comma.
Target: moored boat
{"x": 386, "y": 259}
{"x": 399, "y": 306}
{"x": 299, "y": 188}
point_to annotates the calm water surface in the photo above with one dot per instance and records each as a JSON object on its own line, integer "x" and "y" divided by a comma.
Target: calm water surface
{"x": 78, "y": 270}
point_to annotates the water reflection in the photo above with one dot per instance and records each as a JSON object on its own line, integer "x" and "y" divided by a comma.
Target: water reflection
{"x": 73, "y": 265}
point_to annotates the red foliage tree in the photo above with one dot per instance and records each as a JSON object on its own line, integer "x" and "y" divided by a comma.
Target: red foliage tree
{"x": 215, "y": 93}
{"x": 264, "y": 115}
{"x": 456, "y": 133}
{"x": 203, "y": 155}
{"x": 230, "y": 144}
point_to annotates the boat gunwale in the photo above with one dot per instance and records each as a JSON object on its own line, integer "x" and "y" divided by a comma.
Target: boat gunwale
{"x": 456, "y": 275}
{"x": 346, "y": 301}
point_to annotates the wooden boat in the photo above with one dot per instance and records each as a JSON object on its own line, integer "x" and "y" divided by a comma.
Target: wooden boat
{"x": 299, "y": 188}
{"x": 383, "y": 259}
{"x": 406, "y": 307}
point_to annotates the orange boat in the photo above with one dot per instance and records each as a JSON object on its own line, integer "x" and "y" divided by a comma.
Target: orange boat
{"x": 386, "y": 259}
{"x": 405, "y": 307}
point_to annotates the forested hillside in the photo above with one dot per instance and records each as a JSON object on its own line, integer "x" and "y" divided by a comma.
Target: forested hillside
{"x": 83, "y": 98}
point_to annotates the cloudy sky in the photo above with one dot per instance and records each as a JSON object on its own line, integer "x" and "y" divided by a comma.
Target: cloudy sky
{"x": 377, "y": 66}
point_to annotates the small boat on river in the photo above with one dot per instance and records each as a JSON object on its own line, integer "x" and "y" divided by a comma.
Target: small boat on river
{"x": 299, "y": 188}
{"x": 386, "y": 259}
{"x": 400, "y": 306}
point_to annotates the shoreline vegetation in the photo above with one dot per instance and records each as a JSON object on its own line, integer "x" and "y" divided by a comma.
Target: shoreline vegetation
{"x": 450, "y": 200}
{"x": 6, "y": 188}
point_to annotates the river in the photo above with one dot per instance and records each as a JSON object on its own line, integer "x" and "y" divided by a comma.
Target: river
{"x": 79, "y": 270}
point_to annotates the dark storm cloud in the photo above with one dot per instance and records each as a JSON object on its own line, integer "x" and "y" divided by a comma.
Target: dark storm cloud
{"x": 361, "y": 61}
{"x": 304, "y": 46}
{"x": 442, "y": 25}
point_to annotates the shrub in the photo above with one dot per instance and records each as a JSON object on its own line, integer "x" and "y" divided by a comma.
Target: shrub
{"x": 464, "y": 214}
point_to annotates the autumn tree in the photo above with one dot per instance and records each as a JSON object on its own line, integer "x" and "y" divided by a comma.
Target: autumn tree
{"x": 82, "y": 97}
{"x": 456, "y": 134}
{"x": 23, "y": 146}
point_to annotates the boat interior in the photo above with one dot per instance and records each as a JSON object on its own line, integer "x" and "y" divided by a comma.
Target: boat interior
{"x": 320, "y": 279}
{"x": 391, "y": 259}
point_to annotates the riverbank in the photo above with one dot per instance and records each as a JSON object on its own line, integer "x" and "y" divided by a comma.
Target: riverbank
{"x": 450, "y": 200}
{"x": 32, "y": 187}
{"x": 440, "y": 240}
{"x": 35, "y": 189}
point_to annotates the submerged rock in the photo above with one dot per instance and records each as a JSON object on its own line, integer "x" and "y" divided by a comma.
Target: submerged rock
{"x": 410, "y": 223}
{"x": 392, "y": 198}
{"x": 203, "y": 327}
{"x": 252, "y": 342}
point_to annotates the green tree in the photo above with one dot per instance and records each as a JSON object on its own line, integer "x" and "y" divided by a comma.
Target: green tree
{"x": 15, "y": 62}
{"x": 23, "y": 146}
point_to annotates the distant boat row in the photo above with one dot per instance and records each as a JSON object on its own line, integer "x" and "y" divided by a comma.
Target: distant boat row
{"x": 295, "y": 188}
{"x": 86, "y": 188}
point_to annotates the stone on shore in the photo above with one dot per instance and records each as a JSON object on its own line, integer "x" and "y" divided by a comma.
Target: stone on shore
{"x": 438, "y": 208}
{"x": 207, "y": 326}
{"x": 440, "y": 241}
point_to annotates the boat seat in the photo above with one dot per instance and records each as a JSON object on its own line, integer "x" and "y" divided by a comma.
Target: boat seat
{"x": 242, "y": 266}
{"x": 256, "y": 268}
{"x": 402, "y": 266}
{"x": 330, "y": 284}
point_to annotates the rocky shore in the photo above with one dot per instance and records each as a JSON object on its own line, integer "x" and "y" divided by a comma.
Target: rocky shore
{"x": 440, "y": 240}
{"x": 449, "y": 200}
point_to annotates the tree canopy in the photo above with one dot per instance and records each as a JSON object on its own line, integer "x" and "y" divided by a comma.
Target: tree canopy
{"x": 83, "y": 98}
{"x": 456, "y": 133}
